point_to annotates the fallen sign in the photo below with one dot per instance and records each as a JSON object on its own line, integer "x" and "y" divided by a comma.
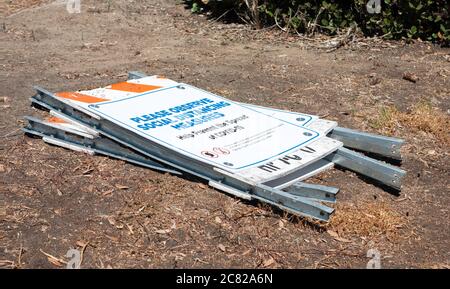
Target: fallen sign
{"x": 57, "y": 131}
{"x": 75, "y": 137}
{"x": 265, "y": 150}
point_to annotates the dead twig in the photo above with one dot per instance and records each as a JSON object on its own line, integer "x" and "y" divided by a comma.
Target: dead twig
{"x": 19, "y": 258}
{"x": 253, "y": 6}
{"x": 340, "y": 41}
{"x": 220, "y": 17}
{"x": 7, "y": 264}
{"x": 284, "y": 29}
{"x": 54, "y": 260}
{"x": 82, "y": 252}
{"x": 10, "y": 133}
{"x": 314, "y": 25}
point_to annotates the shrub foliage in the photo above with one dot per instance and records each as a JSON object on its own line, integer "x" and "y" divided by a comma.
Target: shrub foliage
{"x": 394, "y": 19}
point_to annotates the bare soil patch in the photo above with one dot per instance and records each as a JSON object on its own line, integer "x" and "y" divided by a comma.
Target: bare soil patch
{"x": 121, "y": 215}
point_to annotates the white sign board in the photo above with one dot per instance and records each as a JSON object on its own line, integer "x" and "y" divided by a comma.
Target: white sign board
{"x": 206, "y": 127}
{"x": 259, "y": 143}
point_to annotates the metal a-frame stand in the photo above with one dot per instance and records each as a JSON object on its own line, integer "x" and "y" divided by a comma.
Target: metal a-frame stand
{"x": 300, "y": 198}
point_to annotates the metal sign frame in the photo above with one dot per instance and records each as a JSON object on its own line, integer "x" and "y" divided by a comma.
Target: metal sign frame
{"x": 297, "y": 199}
{"x": 216, "y": 178}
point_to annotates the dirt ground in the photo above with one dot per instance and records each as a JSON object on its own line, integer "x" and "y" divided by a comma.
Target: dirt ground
{"x": 121, "y": 215}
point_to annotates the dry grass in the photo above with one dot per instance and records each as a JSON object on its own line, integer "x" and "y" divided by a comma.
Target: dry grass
{"x": 422, "y": 117}
{"x": 367, "y": 220}
{"x": 8, "y": 7}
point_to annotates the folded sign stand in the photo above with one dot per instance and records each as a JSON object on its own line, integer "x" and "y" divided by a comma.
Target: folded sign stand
{"x": 248, "y": 151}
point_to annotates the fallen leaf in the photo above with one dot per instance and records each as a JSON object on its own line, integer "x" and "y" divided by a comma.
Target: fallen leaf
{"x": 163, "y": 231}
{"x": 90, "y": 188}
{"x": 221, "y": 247}
{"x": 410, "y": 77}
{"x": 337, "y": 238}
{"x": 122, "y": 187}
{"x": 268, "y": 262}
{"x": 111, "y": 220}
{"x": 112, "y": 238}
{"x": 343, "y": 240}
{"x": 81, "y": 243}
{"x": 333, "y": 234}
{"x": 217, "y": 220}
{"x": 108, "y": 192}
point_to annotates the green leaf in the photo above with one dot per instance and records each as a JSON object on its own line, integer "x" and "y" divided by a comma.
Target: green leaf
{"x": 195, "y": 8}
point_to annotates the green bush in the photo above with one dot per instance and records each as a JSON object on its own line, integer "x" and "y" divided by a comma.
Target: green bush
{"x": 425, "y": 19}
